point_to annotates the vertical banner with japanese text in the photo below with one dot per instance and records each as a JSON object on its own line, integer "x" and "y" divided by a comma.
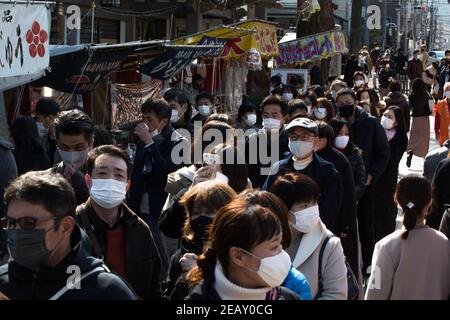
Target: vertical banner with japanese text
{"x": 24, "y": 39}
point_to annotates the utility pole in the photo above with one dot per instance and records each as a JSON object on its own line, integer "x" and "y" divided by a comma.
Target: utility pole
{"x": 366, "y": 30}
{"x": 383, "y": 22}
{"x": 355, "y": 29}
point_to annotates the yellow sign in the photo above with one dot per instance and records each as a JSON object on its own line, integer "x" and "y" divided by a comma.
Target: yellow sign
{"x": 242, "y": 37}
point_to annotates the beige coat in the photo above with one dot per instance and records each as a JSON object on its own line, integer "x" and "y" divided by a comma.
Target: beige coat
{"x": 334, "y": 271}
{"x": 417, "y": 268}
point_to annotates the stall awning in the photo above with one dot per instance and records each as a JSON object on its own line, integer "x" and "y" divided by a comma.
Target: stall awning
{"x": 241, "y": 36}
{"x": 315, "y": 47}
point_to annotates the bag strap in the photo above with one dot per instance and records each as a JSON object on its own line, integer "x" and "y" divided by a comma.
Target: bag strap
{"x": 66, "y": 288}
{"x": 87, "y": 225}
{"x": 320, "y": 277}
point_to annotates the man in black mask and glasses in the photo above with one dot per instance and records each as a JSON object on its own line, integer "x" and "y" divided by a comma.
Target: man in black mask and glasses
{"x": 370, "y": 137}
{"x": 49, "y": 255}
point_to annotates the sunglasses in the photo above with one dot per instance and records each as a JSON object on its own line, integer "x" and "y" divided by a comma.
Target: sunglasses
{"x": 25, "y": 223}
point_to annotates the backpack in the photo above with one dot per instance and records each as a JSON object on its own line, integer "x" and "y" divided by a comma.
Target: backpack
{"x": 352, "y": 282}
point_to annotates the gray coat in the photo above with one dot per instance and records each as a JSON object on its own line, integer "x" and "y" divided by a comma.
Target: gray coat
{"x": 334, "y": 270}
{"x": 433, "y": 158}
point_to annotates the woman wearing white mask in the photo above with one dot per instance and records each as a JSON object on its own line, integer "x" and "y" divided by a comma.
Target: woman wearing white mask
{"x": 303, "y": 140}
{"x": 289, "y": 93}
{"x": 343, "y": 143}
{"x": 300, "y": 194}
{"x": 246, "y": 118}
{"x": 244, "y": 259}
{"x": 385, "y": 207}
{"x": 324, "y": 110}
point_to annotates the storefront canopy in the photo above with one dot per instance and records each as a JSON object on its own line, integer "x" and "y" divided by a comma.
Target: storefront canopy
{"x": 241, "y": 37}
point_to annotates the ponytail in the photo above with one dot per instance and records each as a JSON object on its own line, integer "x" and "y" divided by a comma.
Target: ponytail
{"x": 409, "y": 219}
{"x": 206, "y": 264}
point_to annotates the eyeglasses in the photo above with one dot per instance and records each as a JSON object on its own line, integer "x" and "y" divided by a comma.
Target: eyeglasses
{"x": 300, "y": 137}
{"x": 25, "y": 223}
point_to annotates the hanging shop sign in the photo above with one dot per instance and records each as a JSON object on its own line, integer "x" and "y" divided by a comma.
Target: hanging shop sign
{"x": 24, "y": 39}
{"x": 176, "y": 58}
{"x": 320, "y": 46}
{"x": 82, "y": 71}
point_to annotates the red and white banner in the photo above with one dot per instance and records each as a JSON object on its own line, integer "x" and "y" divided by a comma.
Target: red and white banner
{"x": 24, "y": 39}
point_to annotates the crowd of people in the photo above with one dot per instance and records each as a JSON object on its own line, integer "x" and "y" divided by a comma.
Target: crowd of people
{"x": 295, "y": 198}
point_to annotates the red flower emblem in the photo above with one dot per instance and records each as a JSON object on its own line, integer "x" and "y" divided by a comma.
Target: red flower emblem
{"x": 36, "y": 38}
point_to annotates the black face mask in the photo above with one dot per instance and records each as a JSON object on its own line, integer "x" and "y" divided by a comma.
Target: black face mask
{"x": 200, "y": 226}
{"x": 346, "y": 111}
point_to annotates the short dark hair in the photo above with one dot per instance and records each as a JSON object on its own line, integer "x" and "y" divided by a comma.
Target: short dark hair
{"x": 296, "y": 104}
{"x": 159, "y": 107}
{"x": 345, "y": 91}
{"x": 204, "y": 95}
{"x": 102, "y": 136}
{"x": 74, "y": 122}
{"x": 221, "y": 117}
{"x": 50, "y": 190}
{"x": 47, "y": 106}
{"x": 176, "y": 95}
{"x": 446, "y": 52}
{"x": 296, "y": 79}
{"x": 394, "y": 86}
{"x": 110, "y": 150}
{"x": 294, "y": 187}
{"x": 245, "y": 108}
{"x": 325, "y": 131}
{"x": 276, "y": 79}
{"x": 318, "y": 90}
{"x": 275, "y": 100}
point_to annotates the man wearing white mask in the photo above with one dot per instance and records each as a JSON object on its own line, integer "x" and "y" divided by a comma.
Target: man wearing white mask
{"x": 314, "y": 250}
{"x": 74, "y": 139}
{"x": 152, "y": 164}
{"x": 303, "y": 139}
{"x": 181, "y": 110}
{"x": 271, "y": 136}
{"x": 204, "y": 103}
{"x": 47, "y": 110}
{"x": 117, "y": 234}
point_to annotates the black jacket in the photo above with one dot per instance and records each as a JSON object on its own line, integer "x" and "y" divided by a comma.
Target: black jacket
{"x": 158, "y": 157}
{"x": 142, "y": 262}
{"x": 441, "y": 193}
{"x": 20, "y": 283}
{"x": 419, "y": 105}
{"x": 346, "y": 221}
{"x": 388, "y": 179}
{"x": 350, "y": 68}
{"x": 368, "y": 135}
{"x": 445, "y": 224}
{"x": 77, "y": 182}
{"x": 384, "y": 76}
{"x": 255, "y": 162}
{"x": 31, "y": 161}
{"x": 359, "y": 171}
{"x": 172, "y": 220}
{"x": 176, "y": 288}
{"x": 205, "y": 291}
{"x": 330, "y": 185}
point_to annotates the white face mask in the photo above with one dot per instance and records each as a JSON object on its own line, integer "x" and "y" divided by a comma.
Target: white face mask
{"x": 301, "y": 149}
{"x": 320, "y": 113}
{"x": 359, "y": 83}
{"x": 271, "y": 124}
{"x": 306, "y": 219}
{"x": 204, "y": 110}
{"x": 273, "y": 270}
{"x": 220, "y": 177}
{"x": 174, "y": 117}
{"x": 108, "y": 193}
{"x": 341, "y": 142}
{"x": 77, "y": 159}
{"x": 154, "y": 133}
{"x": 250, "y": 119}
{"x": 287, "y": 96}
{"x": 387, "y": 123}
{"x": 447, "y": 94}
{"x": 42, "y": 130}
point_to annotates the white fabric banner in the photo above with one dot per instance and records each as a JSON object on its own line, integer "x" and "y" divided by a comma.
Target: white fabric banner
{"x": 24, "y": 39}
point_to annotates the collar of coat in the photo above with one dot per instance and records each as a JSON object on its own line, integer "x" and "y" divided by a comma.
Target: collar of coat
{"x": 309, "y": 243}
